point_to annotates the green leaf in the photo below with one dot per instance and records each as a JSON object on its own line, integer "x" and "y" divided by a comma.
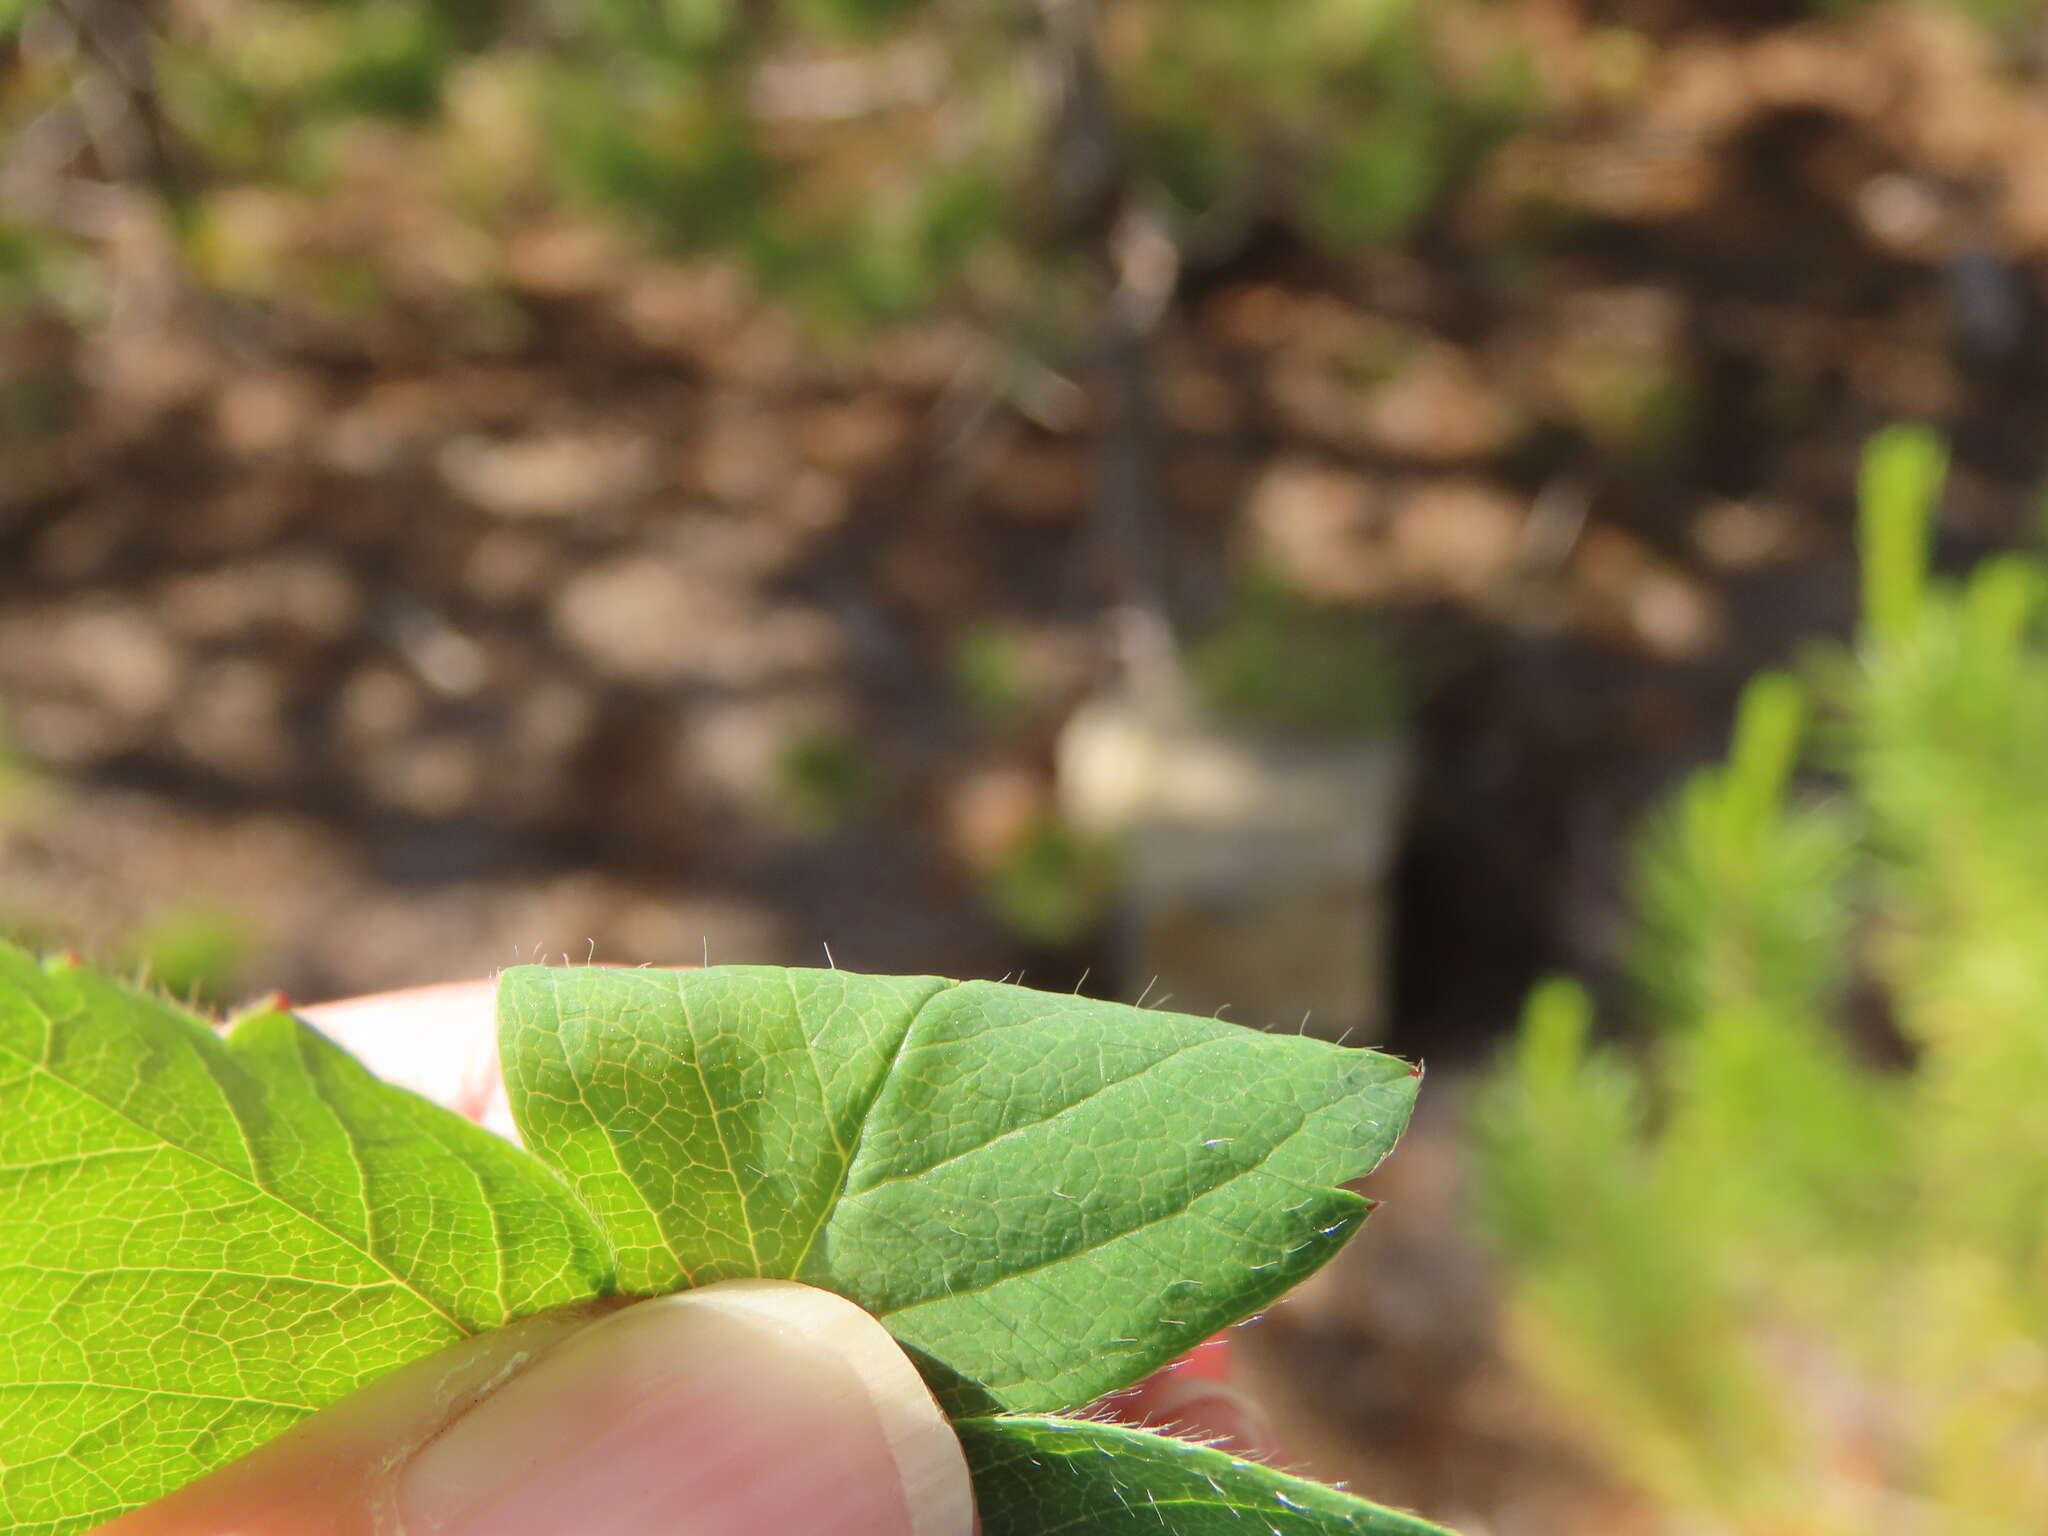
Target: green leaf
{"x": 1898, "y": 491}
{"x": 202, "y": 1240}
{"x": 1044, "y": 1197}
{"x": 1041, "y": 1477}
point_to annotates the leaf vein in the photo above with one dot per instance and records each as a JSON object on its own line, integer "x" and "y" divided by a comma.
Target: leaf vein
{"x": 828, "y": 1208}
{"x": 247, "y": 1179}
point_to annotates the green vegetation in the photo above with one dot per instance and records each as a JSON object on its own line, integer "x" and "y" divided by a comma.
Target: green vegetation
{"x": 1283, "y": 663}
{"x": 1051, "y": 886}
{"x": 194, "y": 952}
{"x": 823, "y": 779}
{"x": 16, "y": 782}
{"x": 989, "y": 675}
{"x": 1349, "y": 99}
{"x": 1134, "y": 1181}
{"x": 1792, "y": 1287}
{"x": 860, "y": 157}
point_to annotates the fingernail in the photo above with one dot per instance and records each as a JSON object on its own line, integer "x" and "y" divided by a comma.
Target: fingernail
{"x": 742, "y": 1409}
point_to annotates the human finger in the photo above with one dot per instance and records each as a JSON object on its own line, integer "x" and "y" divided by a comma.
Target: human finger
{"x": 749, "y": 1408}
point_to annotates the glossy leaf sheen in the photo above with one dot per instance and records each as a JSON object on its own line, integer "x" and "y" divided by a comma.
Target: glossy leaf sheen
{"x": 1043, "y": 1477}
{"x": 1042, "y": 1196}
{"x": 202, "y": 1240}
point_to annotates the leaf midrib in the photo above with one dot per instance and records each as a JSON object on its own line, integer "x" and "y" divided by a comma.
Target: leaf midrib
{"x": 1368, "y": 1519}
{"x": 829, "y": 1207}
{"x": 1186, "y": 1208}
{"x": 1027, "y": 1127}
{"x": 246, "y": 1180}
{"x": 1223, "y": 1042}
{"x": 232, "y": 1399}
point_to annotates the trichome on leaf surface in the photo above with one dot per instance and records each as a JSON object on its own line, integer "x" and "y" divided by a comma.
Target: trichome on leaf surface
{"x": 206, "y": 1236}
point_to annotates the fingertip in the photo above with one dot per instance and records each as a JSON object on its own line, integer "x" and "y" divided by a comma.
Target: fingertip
{"x": 929, "y": 1462}
{"x": 751, "y": 1408}
{"x": 327, "y": 1475}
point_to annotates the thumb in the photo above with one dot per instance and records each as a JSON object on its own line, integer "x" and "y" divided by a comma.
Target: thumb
{"x": 742, "y": 1409}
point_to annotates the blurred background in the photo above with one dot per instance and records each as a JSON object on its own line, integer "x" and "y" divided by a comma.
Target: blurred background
{"x": 1223, "y": 503}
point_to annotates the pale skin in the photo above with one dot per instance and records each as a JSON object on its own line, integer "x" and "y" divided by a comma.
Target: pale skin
{"x": 752, "y": 1408}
